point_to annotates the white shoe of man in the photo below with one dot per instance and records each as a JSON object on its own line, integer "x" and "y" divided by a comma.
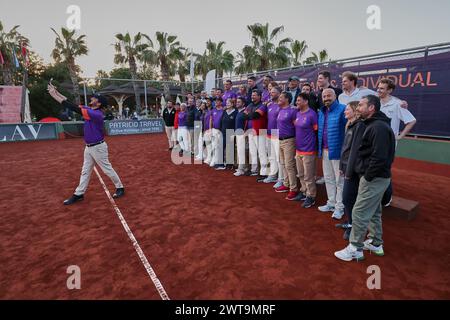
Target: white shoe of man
{"x": 350, "y": 253}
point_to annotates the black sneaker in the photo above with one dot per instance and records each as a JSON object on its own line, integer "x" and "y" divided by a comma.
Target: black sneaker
{"x": 344, "y": 225}
{"x": 261, "y": 178}
{"x": 120, "y": 192}
{"x": 347, "y": 232}
{"x": 300, "y": 197}
{"x": 309, "y": 202}
{"x": 74, "y": 198}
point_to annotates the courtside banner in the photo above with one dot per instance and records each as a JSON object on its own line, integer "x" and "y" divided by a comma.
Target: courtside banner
{"x": 27, "y": 132}
{"x": 423, "y": 82}
{"x": 119, "y": 127}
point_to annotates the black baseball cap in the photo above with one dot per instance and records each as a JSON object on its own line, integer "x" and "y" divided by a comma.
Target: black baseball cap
{"x": 102, "y": 99}
{"x": 294, "y": 78}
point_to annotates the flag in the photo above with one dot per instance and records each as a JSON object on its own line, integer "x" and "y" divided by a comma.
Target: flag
{"x": 2, "y": 61}
{"x": 16, "y": 61}
{"x": 24, "y": 53}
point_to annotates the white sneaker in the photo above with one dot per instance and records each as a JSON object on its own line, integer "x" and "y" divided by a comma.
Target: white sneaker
{"x": 350, "y": 253}
{"x": 370, "y": 247}
{"x": 239, "y": 173}
{"x": 270, "y": 179}
{"x": 321, "y": 180}
{"x": 212, "y": 164}
{"x": 278, "y": 184}
{"x": 326, "y": 208}
{"x": 337, "y": 214}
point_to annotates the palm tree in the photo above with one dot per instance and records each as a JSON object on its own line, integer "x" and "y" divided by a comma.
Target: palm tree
{"x": 131, "y": 50}
{"x": 218, "y": 58}
{"x": 67, "y": 48}
{"x": 184, "y": 68}
{"x": 9, "y": 41}
{"x": 266, "y": 53}
{"x": 298, "y": 49}
{"x": 317, "y": 58}
{"x": 166, "y": 55}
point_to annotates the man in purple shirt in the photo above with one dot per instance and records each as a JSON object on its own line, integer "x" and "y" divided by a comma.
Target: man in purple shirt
{"x": 286, "y": 135}
{"x": 183, "y": 133}
{"x": 229, "y": 93}
{"x": 273, "y": 108}
{"x": 306, "y": 149}
{"x": 266, "y": 94}
{"x": 216, "y": 134}
{"x": 96, "y": 151}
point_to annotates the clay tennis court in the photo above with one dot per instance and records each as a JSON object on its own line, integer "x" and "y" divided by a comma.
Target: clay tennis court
{"x": 206, "y": 233}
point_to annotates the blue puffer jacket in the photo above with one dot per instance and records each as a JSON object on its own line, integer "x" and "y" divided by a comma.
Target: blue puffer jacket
{"x": 336, "y": 129}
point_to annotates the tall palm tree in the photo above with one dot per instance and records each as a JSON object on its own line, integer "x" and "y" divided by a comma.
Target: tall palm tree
{"x": 218, "y": 58}
{"x": 322, "y": 56}
{"x": 9, "y": 42}
{"x": 131, "y": 50}
{"x": 184, "y": 68}
{"x": 245, "y": 62}
{"x": 166, "y": 55}
{"x": 67, "y": 48}
{"x": 298, "y": 49}
{"x": 268, "y": 54}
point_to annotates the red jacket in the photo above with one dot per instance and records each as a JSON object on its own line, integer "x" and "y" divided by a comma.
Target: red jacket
{"x": 175, "y": 123}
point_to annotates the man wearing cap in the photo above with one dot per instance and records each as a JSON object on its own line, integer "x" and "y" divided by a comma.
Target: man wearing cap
{"x": 251, "y": 85}
{"x": 96, "y": 151}
{"x": 293, "y": 88}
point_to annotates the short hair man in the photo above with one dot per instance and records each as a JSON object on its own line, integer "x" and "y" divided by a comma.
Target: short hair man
{"x": 331, "y": 137}
{"x": 374, "y": 161}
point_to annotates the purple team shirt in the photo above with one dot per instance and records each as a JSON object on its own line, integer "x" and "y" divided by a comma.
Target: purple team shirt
{"x": 93, "y": 125}
{"x": 228, "y": 95}
{"x": 305, "y": 132}
{"x": 265, "y": 95}
{"x": 217, "y": 118}
{"x": 272, "y": 114}
{"x": 285, "y": 122}
{"x": 182, "y": 119}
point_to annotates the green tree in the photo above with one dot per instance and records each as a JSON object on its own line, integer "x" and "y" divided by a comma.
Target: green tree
{"x": 10, "y": 41}
{"x": 264, "y": 53}
{"x": 132, "y": 50}
{"x": 298, "y": 49}
{"x": 68, "y": 47}
{"x": 322, "y": 56}
{"x": 165, "y": 56}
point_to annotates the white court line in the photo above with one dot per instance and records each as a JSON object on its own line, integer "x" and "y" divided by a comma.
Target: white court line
{"x": 136, "y": 246}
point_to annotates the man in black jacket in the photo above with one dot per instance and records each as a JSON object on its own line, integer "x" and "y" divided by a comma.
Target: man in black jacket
{"x": 373, "y": 164}
{"x": 169, "y": 119}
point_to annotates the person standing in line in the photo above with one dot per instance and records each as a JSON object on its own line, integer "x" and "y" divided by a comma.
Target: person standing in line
{"x": 331, "y": 136}
{"x": 286, "y": 135}
{"x": 353, "y": 135}
{"x": 169, "y": 120}
{"x": 306, "y": 126}
{"x": 374, "y": 161}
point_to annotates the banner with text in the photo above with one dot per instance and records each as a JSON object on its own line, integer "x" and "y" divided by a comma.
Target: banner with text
{"x": 119, "y": 127}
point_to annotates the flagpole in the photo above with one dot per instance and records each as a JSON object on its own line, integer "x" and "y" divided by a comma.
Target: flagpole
{"x": 24, "y": 82}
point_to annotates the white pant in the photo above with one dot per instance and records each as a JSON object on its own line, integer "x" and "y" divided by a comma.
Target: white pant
{"x": 171, "y": 136}
{"x": 200, "y": 152}
{"x": 217, "y": 146}
{"x": 274, "y": 157}
{"x": 184, "y": 139}
{"x": 240, "y": 146}
{"x": 334, "y": 182}
{"x": 207, "y": 137}
{"x": 96, "y": 155}
{"x": 258, "y": 150}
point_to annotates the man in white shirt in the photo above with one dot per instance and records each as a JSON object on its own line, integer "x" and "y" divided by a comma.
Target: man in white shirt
{"x": 350, "y": 91}
{"x": 391, "y": 107}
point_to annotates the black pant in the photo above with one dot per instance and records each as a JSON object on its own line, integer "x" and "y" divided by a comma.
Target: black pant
{"x": 387, "y": 195}
{"x": 349, "y": 195}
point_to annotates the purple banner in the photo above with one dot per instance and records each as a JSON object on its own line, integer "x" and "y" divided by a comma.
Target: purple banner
{"x": 423, "y": 82}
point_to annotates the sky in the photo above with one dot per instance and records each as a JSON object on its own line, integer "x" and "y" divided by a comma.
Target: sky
{"x": 338, "y": 26}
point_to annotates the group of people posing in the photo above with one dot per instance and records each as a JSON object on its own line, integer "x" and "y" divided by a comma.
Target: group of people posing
{"x": 278, "y": 136}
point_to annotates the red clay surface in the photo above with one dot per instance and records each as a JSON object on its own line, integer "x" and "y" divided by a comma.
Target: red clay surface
{"x": 207, "y": 234}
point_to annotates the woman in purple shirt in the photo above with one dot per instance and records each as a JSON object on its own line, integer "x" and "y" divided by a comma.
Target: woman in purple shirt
{"x": 183, "y": 133}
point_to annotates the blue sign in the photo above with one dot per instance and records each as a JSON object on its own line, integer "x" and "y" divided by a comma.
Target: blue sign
{"x": 119, "y": 127}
